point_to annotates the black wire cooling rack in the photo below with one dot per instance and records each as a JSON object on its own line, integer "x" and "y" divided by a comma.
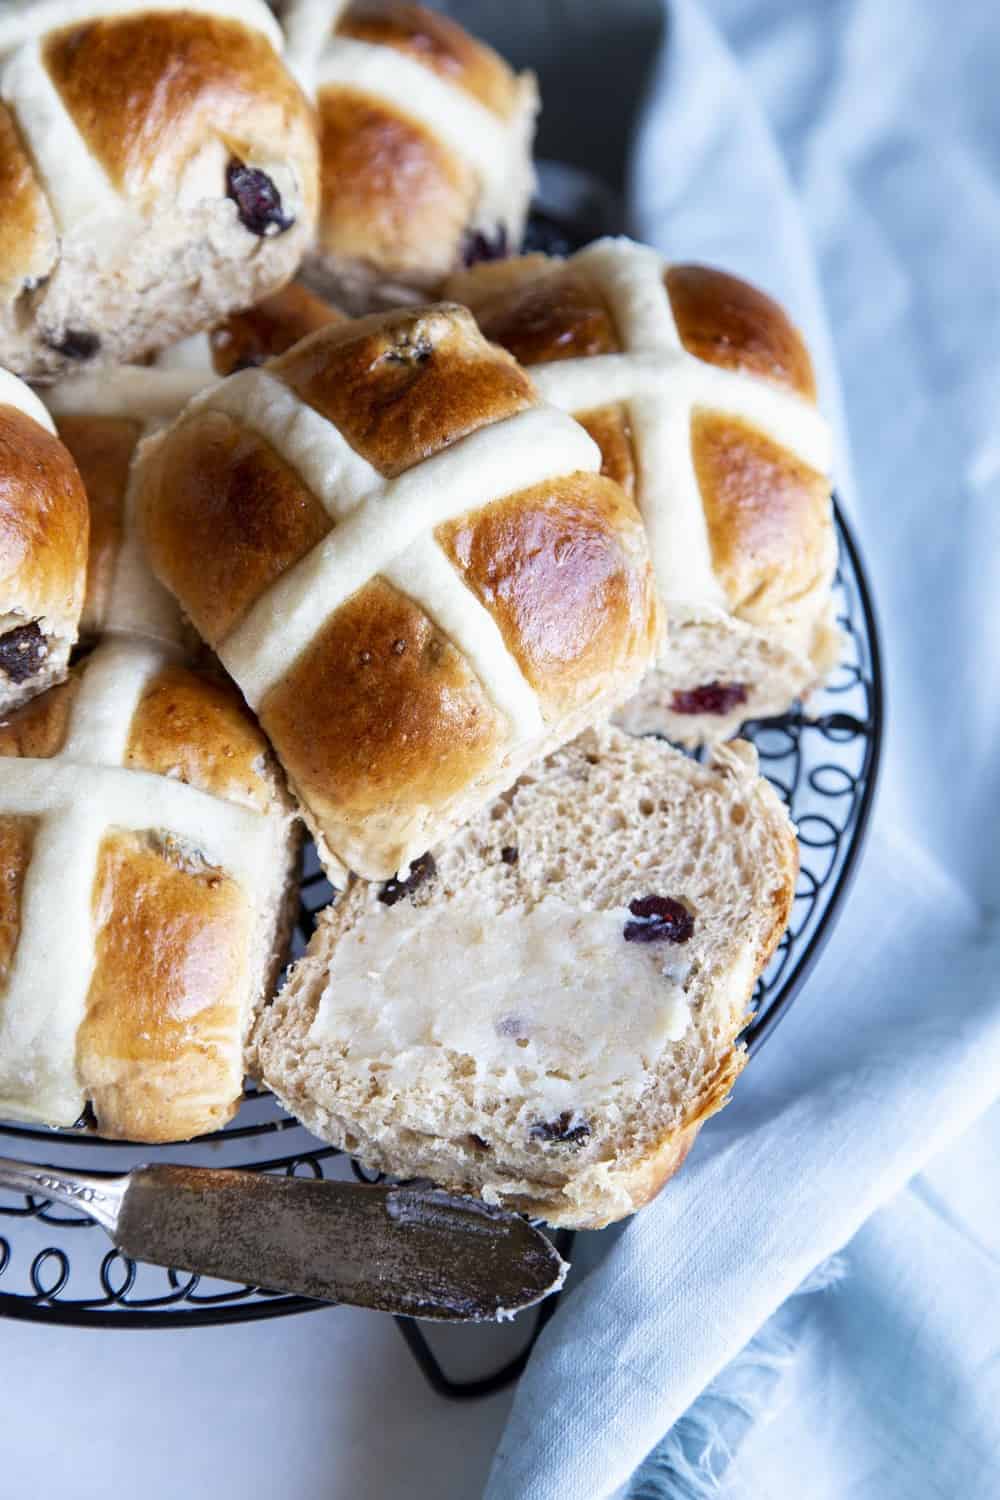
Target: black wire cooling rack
{"x": 55, "y": 1266}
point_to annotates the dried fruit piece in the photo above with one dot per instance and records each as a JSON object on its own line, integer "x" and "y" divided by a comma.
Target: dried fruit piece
{"x": 76, "y": 343}
{"x": 567, "y": 1130}
{"x": 509, "y": 854}
{"x": 658, "y": 919}
{"x": 257, "y": 200}
{"x": 22, "y": 651}
{"x": 412, "y": 347}
{"x": 478, "y": 246}
{"x": 711, "y": 698}
{"x": 394, "y": 890}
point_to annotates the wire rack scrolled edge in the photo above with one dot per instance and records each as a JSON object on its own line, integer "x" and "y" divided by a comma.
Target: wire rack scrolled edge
{"x": 832, "y": 803}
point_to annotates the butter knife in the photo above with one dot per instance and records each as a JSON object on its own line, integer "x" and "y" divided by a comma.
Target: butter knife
{"x": 413, "y": 1250}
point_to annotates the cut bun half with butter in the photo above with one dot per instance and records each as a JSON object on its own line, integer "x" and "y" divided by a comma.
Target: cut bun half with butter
{"x": 545, "y": 1011}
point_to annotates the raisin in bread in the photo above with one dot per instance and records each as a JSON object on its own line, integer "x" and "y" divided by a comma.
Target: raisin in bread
{"x": 546, "y": 1011}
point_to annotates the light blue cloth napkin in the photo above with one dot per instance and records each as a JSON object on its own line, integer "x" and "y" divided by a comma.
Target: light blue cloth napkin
{"x": 872, "y": 133}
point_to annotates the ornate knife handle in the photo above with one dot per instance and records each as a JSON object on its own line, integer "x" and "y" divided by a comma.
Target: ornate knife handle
{"x": 100, "y": 1197}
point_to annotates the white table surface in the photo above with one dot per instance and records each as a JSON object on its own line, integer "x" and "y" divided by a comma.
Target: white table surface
{"x": 324, "y": 1406}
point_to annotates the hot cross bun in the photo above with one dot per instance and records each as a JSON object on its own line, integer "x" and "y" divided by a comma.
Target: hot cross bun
{"x": 425, "y": 147}
{"x": 147, "y": 851}
{"x": 102, "y": 417}
{"x": 159, "y": 168}
{"x": 43, "y": 547}
{"x": 409, "y": 564}
{"x": 700, "y": 392}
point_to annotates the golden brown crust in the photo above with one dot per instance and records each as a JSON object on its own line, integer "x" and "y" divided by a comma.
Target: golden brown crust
{"x": 553, "y": 567}
{"x": 225, "y": 517}
{"x": 561, "y": 316}
{"x": 148, "y": 91}
{"x": 17, "y": 836}
{"x": 381, "y": 724}
{"x": 198, "y": 730}
{"x": 171, "y": 942}
{"x": 667, "y": 1156}
{"x": 102, "y": 449}
{"x": 728, "y": 322}
{"x": 391, "y": 195}
{"x": 405, "y": 384}
{"x": 380, "y": 711}
{"x": 543, "y": 310}
{"x": 27, "y": 233}
{"x": 437, "y": 43}
{"x": 38, "y": 728}
{"x": 642, "y": 1184}
{"x": 181, "y": 948}
{"x": 611, "y": 430}
{"x": 271, "y": 327}
{"x": 766, "y": 514}
{"x": 44, "y": 522}
{"x": 477, "y": 286}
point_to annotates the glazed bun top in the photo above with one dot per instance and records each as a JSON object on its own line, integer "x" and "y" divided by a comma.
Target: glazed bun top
{"x": 408, "y": 563}
{"x": 701, "y": 393}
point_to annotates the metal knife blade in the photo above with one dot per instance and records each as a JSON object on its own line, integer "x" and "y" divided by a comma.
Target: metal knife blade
{"x": 413, "y": 1250}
